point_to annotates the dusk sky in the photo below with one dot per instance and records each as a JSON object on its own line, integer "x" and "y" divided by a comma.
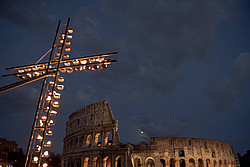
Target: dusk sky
{"x": 183, "y": 66}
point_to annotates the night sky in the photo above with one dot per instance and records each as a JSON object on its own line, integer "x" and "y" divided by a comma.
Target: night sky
{"x": 183, "y": 66}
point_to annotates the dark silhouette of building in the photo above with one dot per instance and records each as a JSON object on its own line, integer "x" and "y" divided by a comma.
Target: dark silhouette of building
{"x": 245, "y": 159}
{"x": 6, "y": 147}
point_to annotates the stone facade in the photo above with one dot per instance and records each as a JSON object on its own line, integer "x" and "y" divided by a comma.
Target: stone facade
{"x": 92, "y": 140}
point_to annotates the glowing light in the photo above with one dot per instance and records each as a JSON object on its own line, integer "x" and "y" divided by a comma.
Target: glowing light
{"x": 60, "y": 87}
{"x": 29, "y": 75}
{"x": 68, "y": 43}
{"x": 69, "y": 36}
{"x": 70, "y": 70}
{"x": 51, "y": 83}
{"x": 35, "y": 160}
{"x": 55, "y": 104}
{"x": 43, "y": 118}
{"x": 38, "y": 148}
{"x": 67, "y": 63}
{"x": 63, "y": 70}
{"x": 79, "y": 69}
{"x": 48, "y": 99}
{"x": 53, "y": 113}
{"x": 20, "y": 70}
{"x": 39, "y": 138}
{"x": 60, "y": 79}
{"x": 70, "y": 30}
{"x": 51, "y": 123}
{"x": 45, "y": 165}
{"x": 83, "y": 61}
{"x": 47, "y": 144}
{"x": 36, "y": 74}
{"x": 100, "y": 59}
{"x": 57, "y": 95}
{"x": 35, "y": 68}
{"x": 40, "y": 123}
{"x": 67, "y": 49}
{"x": 22, "y": 77}
{"x": 66, "y": 56}
{"x": 91, "y": 60}
{"x": 49, "y": 133}
{"x": 75, "y": 62}
{"x": 27, "y": 69}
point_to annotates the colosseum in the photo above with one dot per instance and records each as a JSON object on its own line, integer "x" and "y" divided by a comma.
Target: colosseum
{"x": 92, "y": 140}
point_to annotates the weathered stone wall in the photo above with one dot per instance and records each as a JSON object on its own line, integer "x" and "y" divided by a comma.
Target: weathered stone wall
{"x": 170, "y": 151}
{"x": 92, "y": 140}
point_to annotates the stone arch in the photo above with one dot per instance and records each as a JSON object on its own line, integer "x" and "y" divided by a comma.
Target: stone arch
{"x": 108, "y": 138}
{"x": 96, "y": 162}
{"x": 98, "y": 140}
{"x": 215, "y": 163}
{"x": 230, "y": 163}
{"x": 208, "y": 164}
{"x": 86, "y": 162}
{"x": 81, "y": 142}
{"x": 149, "y": 162}
{"x": 137, "y": 162}
{"x": 107, "y": 161}
{"x": 191, "y": 162}
{"x": 163, "y": 162}
{"x": 220, "y": 163}
{"x": 200, "y": 163}
{"x": 225, "y": 162}
{"x": 182, "y": 163}
{"x": 88, "y": 141}
{"x": 172, "y": 162}
{"x": 118, "y": 161}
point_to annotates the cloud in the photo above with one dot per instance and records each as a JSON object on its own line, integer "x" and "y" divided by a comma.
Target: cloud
{"x": 224, "y": 93}
{"x": 29, "y": 14}
{"x": 153, "y": 38}
{"x": 163, "y": 124}
{"x": 19, "y": 100}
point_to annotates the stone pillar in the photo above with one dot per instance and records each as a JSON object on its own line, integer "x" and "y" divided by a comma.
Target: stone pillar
{"x": 82, "y": 162}
{"x": 101, "y": 161}
{"x": 103, "y": 139}
{"x": 126, "y": 160}
{"x": 90, "y": 161}
{"x": 112, "y": 160}
{"x": 75, "y": 162}
{"x": 93, "y": 140}
{"x": 177, "y": 163}
{"x": 113, "y": 137}
{"x": 187, "y": 163}
{"x": 85, "y": 138}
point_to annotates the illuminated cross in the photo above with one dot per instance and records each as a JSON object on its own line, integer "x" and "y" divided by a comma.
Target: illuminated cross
{"x": 59, "y": 62}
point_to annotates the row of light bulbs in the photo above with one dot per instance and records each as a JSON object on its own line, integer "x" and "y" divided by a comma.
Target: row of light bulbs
{"x": 49, "y": 99}
{"x": 43, "y": 118}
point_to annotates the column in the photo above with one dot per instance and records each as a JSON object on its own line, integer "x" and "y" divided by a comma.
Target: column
{"x": 112, "y": 160}
{"x": 93, "y": 139}
{"x": 126, "y": 160}
{"x": 102, "y": 139}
